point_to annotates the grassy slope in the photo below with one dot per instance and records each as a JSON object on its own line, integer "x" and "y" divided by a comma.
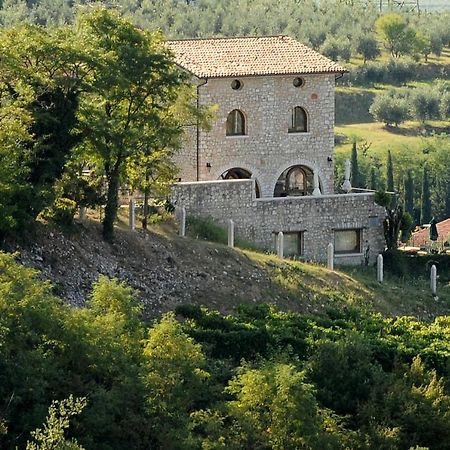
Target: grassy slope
{"x": 167, "y": 270}
{"x": 406, "y": 141}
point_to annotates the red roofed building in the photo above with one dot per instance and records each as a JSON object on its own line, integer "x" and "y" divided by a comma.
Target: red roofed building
{"x": 267, "y": 162}
{"x": 422, "y": 237}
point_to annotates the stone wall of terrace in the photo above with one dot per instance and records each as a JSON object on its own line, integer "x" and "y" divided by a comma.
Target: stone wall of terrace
{"x": 259, "y": 220}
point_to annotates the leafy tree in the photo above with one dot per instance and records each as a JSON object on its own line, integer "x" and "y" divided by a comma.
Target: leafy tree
{"x": 398, "y": 37}
{"x": 422, "y": 45}
{"x": 42, "y": 72}
{"x": 336, "y": 48}
{"x": 14, "y": 12}
{"x": 275, "y": 405}
{"x": 415, "y": 404}
{"x": 51, "y": 437}
{"x": 425, "y": 210}
{"x": 393, "y": 221}
{"x": 436, "y": 44}
{"x": 134, "y": 86}
{"x": 175, "y": 376}
{"x": 425, "y": 104}
{"x": 390, "y": 109}
{"x": 367, "y": 46}
{"x": 444, "y": 106}
{"x": 406, "y": 226}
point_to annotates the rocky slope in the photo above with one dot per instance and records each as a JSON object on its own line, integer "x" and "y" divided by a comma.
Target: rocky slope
{"x": 166, "y": 271}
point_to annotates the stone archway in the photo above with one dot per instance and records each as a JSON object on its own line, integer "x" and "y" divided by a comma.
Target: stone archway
{"x": 297, "y": 180}
{"x": 238, "y": 173}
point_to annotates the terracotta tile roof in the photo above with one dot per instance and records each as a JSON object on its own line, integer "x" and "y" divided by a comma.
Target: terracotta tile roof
{"x": 422, "y": 237}
{"x": 244, "y": 56}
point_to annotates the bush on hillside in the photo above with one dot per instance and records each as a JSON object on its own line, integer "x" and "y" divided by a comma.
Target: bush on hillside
{"x": 424, "y": 104}
{"x": 444, "y": 107}
{"x": 337, "y": 48}
{"x": 61, "y": 212}
{"x": 367, "y": 47}
{"x": 395, "y": 71}
{"x": 390, "y": 109}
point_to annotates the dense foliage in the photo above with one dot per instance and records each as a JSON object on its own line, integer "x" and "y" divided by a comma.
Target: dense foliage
{"x": 340, "y": 29}
{"x": 85, "y": 109}
{"x": 435, "y": 154}
{"x": 200, "y": 380}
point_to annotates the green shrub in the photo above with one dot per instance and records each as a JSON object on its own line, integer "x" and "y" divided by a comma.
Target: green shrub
{"x": 390, "y": 109}
{"x": 425, "y": 104}
{"x": 206, "y": 229}
{"x": 337, "y": 48}
{"x": 61, "y": 212}
{"x": 444, "y": 107}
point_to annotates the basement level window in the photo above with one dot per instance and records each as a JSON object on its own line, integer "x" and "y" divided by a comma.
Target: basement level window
{"x": 292, "y": 243}
{"x": 347, "y": 241}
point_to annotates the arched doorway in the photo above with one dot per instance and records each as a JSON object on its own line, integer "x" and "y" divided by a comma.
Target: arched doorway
{"x": 237, "y": 173}
{"x": 295, "y": 181}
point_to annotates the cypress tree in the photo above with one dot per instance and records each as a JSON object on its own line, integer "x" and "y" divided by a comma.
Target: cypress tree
{"x": 409, "y": 193}
{"x": 355, "y": 175}
{"x": 389, "y": 173}
{"x": 373, "y": 181}
{"x": 425, "y": 210}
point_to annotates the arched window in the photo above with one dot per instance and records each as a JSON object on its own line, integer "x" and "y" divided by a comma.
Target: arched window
{"x": 295, "y": 180}
{"x": 299, "y": 121}
{"x": 235, "y": 123}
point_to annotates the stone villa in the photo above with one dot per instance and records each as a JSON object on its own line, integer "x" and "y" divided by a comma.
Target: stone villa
{"x": 267, "y": 163}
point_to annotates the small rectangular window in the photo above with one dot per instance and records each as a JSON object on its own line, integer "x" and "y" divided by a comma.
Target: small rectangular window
{"x": 347, "y": 241}
{"x": 292, "y": 243}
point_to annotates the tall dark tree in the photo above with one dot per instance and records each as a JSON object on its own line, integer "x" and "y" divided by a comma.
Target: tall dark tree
{"x": 425, "y": 210}
{"x": 355, "y": 175}
{"x": 409, "y": 193}
{"x": 373, "y": 181}
{"x": 390, "y": 173}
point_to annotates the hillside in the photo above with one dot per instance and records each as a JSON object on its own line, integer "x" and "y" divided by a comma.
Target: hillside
{"x": 167, "y": 271}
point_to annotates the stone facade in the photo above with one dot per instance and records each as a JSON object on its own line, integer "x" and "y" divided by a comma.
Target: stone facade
{"x": 265, "y": 79}
{"x": 258, "y": 220}
{"x": 267, "y": 148}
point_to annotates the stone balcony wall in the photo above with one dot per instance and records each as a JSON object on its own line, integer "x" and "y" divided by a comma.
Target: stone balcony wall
{"x": 259, "y": 220}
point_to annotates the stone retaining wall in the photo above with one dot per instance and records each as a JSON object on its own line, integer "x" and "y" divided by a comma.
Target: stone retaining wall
{"x": 258, "y": 220}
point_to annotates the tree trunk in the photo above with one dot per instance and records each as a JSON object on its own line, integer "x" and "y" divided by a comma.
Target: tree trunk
{"x": 112, "y": 203}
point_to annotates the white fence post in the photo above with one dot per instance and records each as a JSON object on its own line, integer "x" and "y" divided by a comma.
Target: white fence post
{"x": 183, "y": 222}
{"x": 433, "y": 280}
{"x": 132, "y": 215}
{"x": 330, "y": 256}
{"x": 380, "y": 268}
{"x": 280, "y": 245}
{"x": 231, "y": 233}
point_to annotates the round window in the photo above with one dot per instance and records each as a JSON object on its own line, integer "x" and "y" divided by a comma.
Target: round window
{"x": 236, "y": 84}
{"x": 298, "y": 82}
